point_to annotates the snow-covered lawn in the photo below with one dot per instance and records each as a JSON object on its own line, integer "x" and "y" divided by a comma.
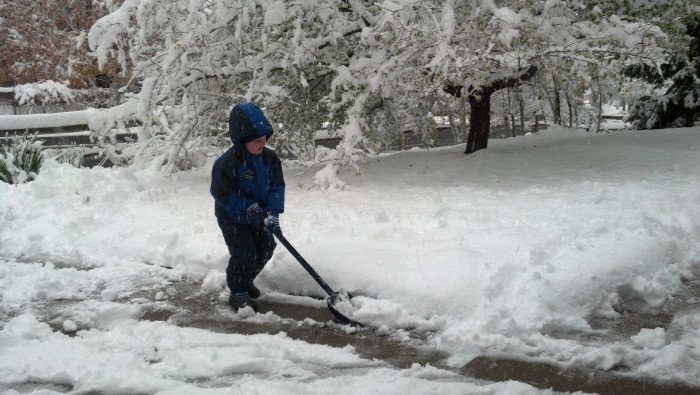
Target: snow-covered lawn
{"x": 505, "y": 251}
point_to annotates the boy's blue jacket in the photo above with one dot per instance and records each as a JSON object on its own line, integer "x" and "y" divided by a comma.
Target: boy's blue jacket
{"x": 239, "y": 179}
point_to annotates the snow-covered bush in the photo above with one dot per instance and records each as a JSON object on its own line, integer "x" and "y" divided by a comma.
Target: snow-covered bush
{"x": 72, "y": 155}
{"x": 327, "y": 178}
{"x": 678, "y": 105}
{"x": 43, "y": 92}
{"x": 20, "y": 159}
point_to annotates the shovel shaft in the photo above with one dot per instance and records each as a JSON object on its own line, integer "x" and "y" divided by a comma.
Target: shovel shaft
{"x": 278, "y": 233}
{"x": 332, "y": 295}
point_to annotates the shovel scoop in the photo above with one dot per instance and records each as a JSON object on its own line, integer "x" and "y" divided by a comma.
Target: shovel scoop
{"x": 339, "y": 303}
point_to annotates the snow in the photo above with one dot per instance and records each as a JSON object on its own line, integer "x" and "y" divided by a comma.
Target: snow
{"x": 501, "y": 252}
{"x": 49, "y": 91}
{"x": 276, "y": 14}
{"x": 68, "y": 118}
{"x": 98, "y": 120}
{"x": 652, "y": 338}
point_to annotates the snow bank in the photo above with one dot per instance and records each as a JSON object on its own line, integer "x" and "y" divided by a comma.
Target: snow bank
{"x": 499, "y": 251}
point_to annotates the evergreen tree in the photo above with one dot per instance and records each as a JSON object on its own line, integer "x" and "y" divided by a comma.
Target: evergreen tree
{"x": 679, "y": 106}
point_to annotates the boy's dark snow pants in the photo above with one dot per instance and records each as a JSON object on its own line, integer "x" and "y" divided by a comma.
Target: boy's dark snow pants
{"x": 250, "y": 248}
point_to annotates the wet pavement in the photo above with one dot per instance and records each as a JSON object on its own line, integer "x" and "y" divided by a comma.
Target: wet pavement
{"x": 187, "y": 305}
{"x": 403, "y": 354}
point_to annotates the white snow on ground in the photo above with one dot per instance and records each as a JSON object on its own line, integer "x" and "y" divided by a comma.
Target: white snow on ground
{"x": 496, "y": 252}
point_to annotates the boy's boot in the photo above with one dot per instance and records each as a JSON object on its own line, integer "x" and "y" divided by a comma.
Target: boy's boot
{"x": 253, "y": 291}
{"x": 240, "y": 300}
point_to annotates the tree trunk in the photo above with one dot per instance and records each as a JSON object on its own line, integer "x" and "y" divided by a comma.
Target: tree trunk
{"x": 480, "y": 104}
{"x": 557, "y": 102}
{"x": 521, "y": 111}
{"x": 463, "y": 120}
{"x": 600, "y": 107}
{"x": 479, "y": 127}
{"x": 568, "y": 104}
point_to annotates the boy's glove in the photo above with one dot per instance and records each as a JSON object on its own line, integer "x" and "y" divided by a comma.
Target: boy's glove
{"x": 256, "y": 212}
{"x": 272, "y": 223}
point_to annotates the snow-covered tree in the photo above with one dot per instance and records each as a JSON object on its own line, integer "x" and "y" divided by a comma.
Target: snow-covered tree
{"x": 362, "y": 67}
{"x": 576, "y": 43}
{"x": 679, "y": 105}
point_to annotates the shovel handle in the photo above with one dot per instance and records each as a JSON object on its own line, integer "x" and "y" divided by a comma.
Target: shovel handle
{"x": 278, "y": 233}
{"x": 332, "y": 295}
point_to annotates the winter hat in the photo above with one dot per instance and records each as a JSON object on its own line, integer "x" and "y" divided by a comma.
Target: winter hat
{"x": 249, "y": 138}
{"x": 247, "y": 123}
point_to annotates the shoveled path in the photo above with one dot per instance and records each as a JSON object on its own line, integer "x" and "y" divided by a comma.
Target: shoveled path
{"x": 195, "y": 309}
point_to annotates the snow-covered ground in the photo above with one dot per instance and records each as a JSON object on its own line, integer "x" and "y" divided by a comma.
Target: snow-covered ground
{"x": 502, "y": 252}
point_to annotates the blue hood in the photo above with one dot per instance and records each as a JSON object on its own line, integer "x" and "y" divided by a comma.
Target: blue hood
{"x": 247, "y": 122}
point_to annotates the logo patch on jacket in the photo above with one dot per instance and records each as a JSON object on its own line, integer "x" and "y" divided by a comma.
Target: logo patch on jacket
{"x": 248, "y": 174}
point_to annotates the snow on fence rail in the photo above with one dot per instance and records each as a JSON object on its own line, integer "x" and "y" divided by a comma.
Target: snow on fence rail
{"x": 55, "y": 135}
{"x": 45, "y": 121}
{"x": 58, "y": 129}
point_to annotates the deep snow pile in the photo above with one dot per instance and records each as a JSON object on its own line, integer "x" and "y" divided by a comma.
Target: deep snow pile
{"x": 495, "y": 252}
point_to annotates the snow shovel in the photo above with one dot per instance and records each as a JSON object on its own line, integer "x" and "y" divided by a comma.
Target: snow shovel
{"x": 334, "y": 297}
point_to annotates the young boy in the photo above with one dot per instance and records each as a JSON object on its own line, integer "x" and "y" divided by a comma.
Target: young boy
{"x": 248, "y": 189}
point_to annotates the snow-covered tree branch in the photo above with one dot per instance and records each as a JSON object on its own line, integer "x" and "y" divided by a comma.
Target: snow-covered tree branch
{"x": 361, "y": 68}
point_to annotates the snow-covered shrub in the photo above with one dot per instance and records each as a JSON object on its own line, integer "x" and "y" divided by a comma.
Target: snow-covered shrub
{"x": 679, "y": 105}
{"x": 72, "y": 156}
{"x": 162, "y": 154}
{"x": 20, "y": 159}
{"x": 43, "y": 92}
{"x": 327, "y": 178}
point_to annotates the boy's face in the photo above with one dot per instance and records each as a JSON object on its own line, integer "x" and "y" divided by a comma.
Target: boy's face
{"x": 256, "y": 146}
